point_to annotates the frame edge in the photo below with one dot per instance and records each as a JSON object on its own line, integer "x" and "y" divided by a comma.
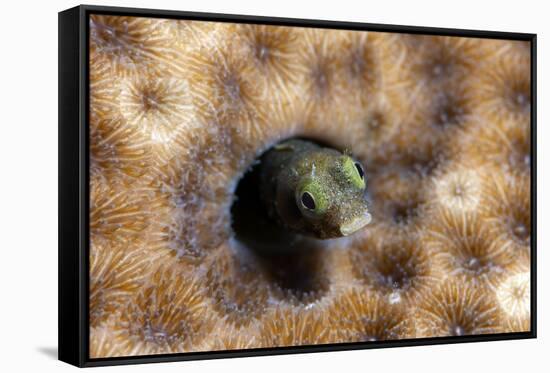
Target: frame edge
{"x": 73, "y": 342}
{"x": 70, "y": 274}
{"x": 305, "y": 22}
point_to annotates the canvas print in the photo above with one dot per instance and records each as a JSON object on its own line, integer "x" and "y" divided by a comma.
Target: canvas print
{"x": 259, "y": 186}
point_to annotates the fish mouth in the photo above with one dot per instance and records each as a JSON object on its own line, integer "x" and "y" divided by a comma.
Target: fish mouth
{"x": 355, "y": 224}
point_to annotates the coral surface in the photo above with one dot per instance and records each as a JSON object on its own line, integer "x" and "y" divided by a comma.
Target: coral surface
{"x": 181, "y": 110}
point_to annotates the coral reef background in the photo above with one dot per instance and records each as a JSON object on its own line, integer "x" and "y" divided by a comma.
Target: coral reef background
{"x": 180, "y": 110}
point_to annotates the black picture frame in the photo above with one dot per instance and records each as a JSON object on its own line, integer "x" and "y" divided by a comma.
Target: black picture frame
{"x": 74, "y": 184}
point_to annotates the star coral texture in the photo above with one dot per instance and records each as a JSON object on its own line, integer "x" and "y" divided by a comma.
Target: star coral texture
{"x": 180, "y": 110}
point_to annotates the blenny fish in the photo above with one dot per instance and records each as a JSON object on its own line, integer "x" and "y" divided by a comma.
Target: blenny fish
{"x": 313, "y": 190}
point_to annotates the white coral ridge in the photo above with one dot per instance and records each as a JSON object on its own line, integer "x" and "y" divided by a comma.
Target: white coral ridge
{"x": 514, "y": 295}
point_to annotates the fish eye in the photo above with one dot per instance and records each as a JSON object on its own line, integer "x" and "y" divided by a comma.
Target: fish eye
{"x": 308, "y": 201}
{"x": 311, "y": 198}
{"x": 360, "y": 170}
{"x": 354, "y": 172}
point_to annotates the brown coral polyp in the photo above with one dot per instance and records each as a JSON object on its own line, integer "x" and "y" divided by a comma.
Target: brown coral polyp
{"x": 361, "y": 64}
{"x": 274, "y": 50}
{"x": 116, "y": 272}
{"x": 293, "y": 326}
{"x": 192, "y": 185}
{"x": 444, "y": 59}
{"x": 458, "y": 189}
{"x": 378, "y": 124}
{"x": 158, "y": 107}
{"x": 229, "y": 337}
{"x": 464, "y": 246}
{"x": 398, "y": 268}
{"x": 239, "y": 292}
{"x": 359, "y": 315}
{"x": 117, "y": 149}
{"x": 506, "y": 92}
{"x": 514, "y": 298}
{"x": 398, "y": 196}
{"x": 447, "y": 112}
{"x": 189, "y": 242}
{"x": 501, "y": 145}
{"x": 128, "y": 44}
{"x": 115, "y": 215}
{"x": 457, "y": 308}
{"x": 508, "y": 212}
{"x": 168, "y": 315}
{"x": 227, "y": 88}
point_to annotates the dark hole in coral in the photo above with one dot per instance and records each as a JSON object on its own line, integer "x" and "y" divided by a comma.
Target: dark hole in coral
{"x": 403, "y": 212}
{"x": 520, "y": 226}
{"x": 458, "y": 191}
{"x": 474, "y": 264}
{"x": 232, "y": 86}
{"x": 391, "y": 268}
{"x": 262, "y": 52}
{"x": 440, "y": 64}
{"x": 358, "y": 62}
{"x": 298, "y": 277}
{"x": 521, "y": 232}
{"x": 520, "y": 156}
{"x": 396, "y": 276}
{"x": 319, "y": 75}
{"x": 440, "y": 67}
{"x": 457, "y": 330}
{"x": 112, "y": 36}
{"x": 105, "y": 33}
{"x": 448, "y": 111}
{"x": 149, "y": 101}
{"x": 421, "y": 160}
{"x": 291, "y": 261}
{"x": 250, "y": 222}
{"x": 376, "y": 122}
{"x": 519, "y": 96}
{"x": 521, "y": 99}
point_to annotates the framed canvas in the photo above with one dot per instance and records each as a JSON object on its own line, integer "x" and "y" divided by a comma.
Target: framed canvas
{"x": 237, "y": 186}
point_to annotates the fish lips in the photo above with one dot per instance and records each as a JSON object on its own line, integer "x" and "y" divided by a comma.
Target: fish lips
{"x": 355, "y": 224}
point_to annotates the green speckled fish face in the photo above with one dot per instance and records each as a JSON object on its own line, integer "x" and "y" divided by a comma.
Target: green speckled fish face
{"x": 313, "y": 190}
{"x": 330, "y": 194}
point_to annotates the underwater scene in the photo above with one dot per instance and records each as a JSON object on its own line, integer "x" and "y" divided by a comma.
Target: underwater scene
{"x": 258, "y": 186}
